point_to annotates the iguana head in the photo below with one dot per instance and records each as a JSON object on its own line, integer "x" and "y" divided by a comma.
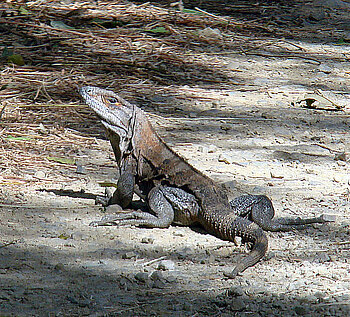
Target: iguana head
{"x": 116, "y": 114}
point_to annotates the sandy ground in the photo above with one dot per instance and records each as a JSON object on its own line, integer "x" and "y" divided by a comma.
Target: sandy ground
{"x": 254, "y": 138}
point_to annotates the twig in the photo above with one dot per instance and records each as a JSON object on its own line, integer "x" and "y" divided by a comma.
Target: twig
{"x": 43, "y": 207}
{"x": 319, "y": 92}
{"x": 117, "y": 311}
{"x": 7, "y": 244}
{"x": 2, "y": 111}
{"x": 286, "y": 56}
{"x": 293, "y": 44}
{"x": 327, "y": 148}
{"x": 211, "y": 15}
{"x": 341, "y": 243}
{"x": 154, "y": 260}
{"x": 346, "y": 302}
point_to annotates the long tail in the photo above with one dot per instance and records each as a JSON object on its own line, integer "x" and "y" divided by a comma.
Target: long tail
{"x": 228, "y": 227}
{"x": 251, "y": 233}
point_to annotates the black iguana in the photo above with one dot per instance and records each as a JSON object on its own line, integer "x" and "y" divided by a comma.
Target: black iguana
{"x": 175, "y": 191}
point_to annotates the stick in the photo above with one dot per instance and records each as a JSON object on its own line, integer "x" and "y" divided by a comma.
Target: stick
{"x": 155, "y": 260}
{"x": 327, "y": 148}
{"x": 2, "y": 111}
{"x": 211, "y": 15}
{"x": 341, "y": 243}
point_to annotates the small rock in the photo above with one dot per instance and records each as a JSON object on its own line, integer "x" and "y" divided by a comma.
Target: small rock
{"x": 80, "y": 169}
{"x": 166, "y": 265}
{"x": 270, "y": 255}
{"x": 225, "y": 127}
{"x": 78, "y": 235}
{"x": 112, "y": 209}
{"x": 142, "y": 277}
{"x": 211, "y": 259}
{"x": 210, "y": 35}
{"x": 301, "y": 310}
{"x": 325, "y": 69}
{"x": 147, "y": 240}
{"x": 42, "y": 129}
{"x": 237, "y": 304}
{"x": 341, "y": 163}
{"x": 235, "y": 291}
{"x": 322, "y": 257}
{"x": 40, "y": 175}
{"x": 184, "y": 253}
{"x": 171, "y": 279}
{"x": 328, "y": 217}
{"x": 223, "y": 252}
{"x": 317, "y": 15}
{"x": 225, "y": 158}
{"x": 59, "y": 267}
{"x": 212, "y": 148}
{"x": 311, "y": 299}
{"x": 178, "y": 233}
{"x": 129, "y": 255}
{"x": 340, "y": 157}
{"x": 187, "y": 307}
{"x": 156, "y": 275}
{"x": 320, "y": 296}
{"x": 158, "y": 284}
{"x": 231, "y": 185}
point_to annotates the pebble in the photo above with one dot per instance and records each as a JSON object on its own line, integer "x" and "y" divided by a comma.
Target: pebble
{"x": 225, "y": 158}
{"x": 80, "y": 169}
{"x": 59, "y": 267}
{"x": 142, "y": 277}
{"x": 328, "y": 217}
{"x": 187, "y": 307}
{"x": 322, "y": 257}
{"x": 301, "y": 310}
{"x": 157, "y": 276}
{"x": 325, "y": 69}
{"x": 129, "y": 255}
{"x": 340, "y": 157}
{"x": 235, "y": 291}
{"x": 147, "y": 240}
{"x": 178, "y": 233}
{"x": 212, "y": 148}
{"x": 78, "y": 235}
{"x": 111, "y": 209}
{"x": 158, "y": 284}
{"x": 223, "y": 252}
{"x": 237, "y": 304}
{"x": 40, "y": 175}
{"x": 166, "y": 265}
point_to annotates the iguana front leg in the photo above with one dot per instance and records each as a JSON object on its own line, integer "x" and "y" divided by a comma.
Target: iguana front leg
{"x": 122, "y": 196}
{"x": 259, "y": 209}
{"x": 162, "y": 213}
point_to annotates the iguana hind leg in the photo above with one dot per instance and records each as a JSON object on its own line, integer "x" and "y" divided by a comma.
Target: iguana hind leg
{"x": 259, "y": 209}
{"x": 162, "y": 214}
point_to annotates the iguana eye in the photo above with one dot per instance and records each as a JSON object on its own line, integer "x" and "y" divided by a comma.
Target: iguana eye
{"x": 112, "y": 100}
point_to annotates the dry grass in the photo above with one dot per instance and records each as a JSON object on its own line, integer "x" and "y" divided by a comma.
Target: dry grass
{"x": 113, "y": 44}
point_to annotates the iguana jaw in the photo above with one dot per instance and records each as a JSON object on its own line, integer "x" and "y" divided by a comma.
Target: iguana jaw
{"x": 116, "y": 115}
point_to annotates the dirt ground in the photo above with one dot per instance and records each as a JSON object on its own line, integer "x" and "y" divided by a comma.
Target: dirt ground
{"x": 233, "y": 114}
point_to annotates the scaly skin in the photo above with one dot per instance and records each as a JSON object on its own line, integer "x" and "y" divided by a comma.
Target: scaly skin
{"x": 175, "y": 191}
